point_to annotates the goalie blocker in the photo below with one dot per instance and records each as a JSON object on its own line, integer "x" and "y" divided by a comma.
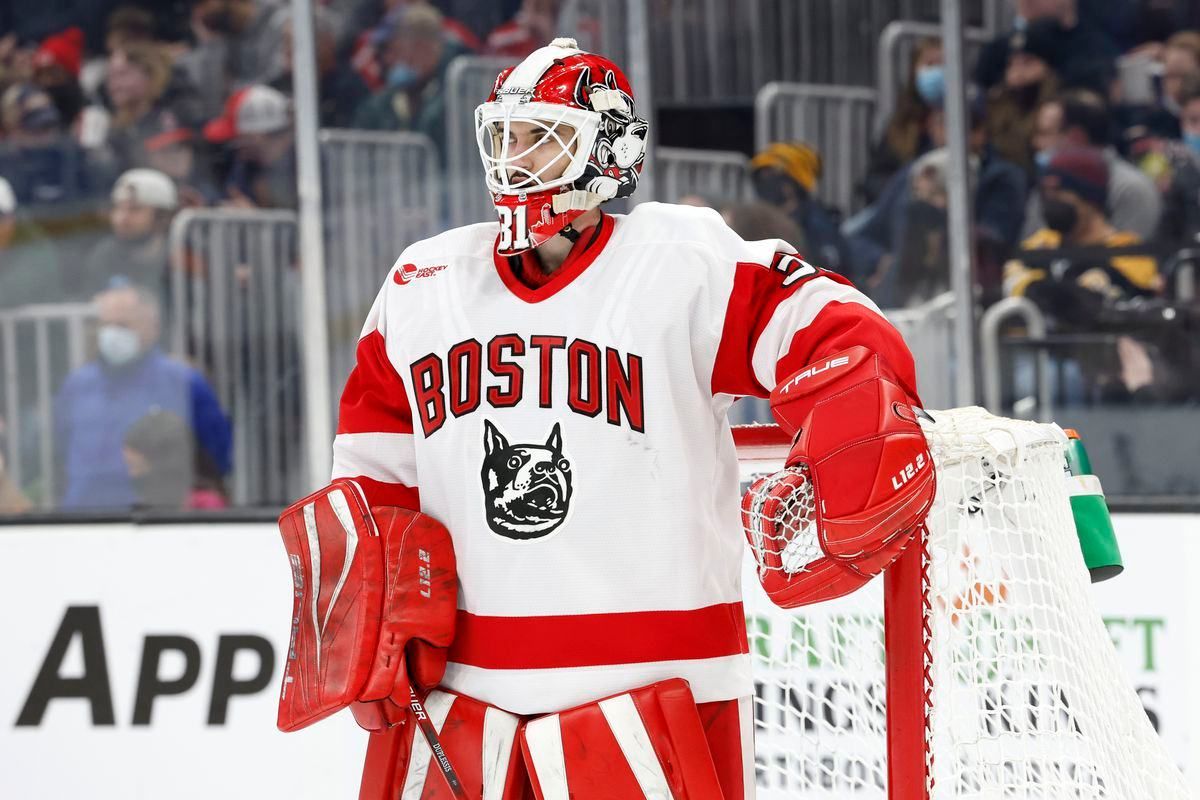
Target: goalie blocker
{"x": 857, "y": 484}
{"x": 374, "y": 599}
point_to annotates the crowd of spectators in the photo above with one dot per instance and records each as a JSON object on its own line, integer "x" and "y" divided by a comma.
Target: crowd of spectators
{"x": 1084, "y": 162}
{"x": 116, "y": 114}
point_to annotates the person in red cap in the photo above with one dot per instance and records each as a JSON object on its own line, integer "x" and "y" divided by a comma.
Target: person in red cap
{"x": 171, "y": 147}
{"x": 56, "y": 65}
{"x": 257, "y": 126}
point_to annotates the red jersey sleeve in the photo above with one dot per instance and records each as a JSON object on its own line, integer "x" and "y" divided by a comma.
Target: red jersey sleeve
{"x": 788, "y": 313}
{"x": 374, "y": 443}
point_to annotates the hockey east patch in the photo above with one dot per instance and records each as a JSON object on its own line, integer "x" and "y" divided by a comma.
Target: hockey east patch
{"x": 526, "y": 487}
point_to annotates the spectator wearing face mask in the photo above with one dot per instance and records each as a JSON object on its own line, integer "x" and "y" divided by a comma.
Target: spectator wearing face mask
{"x": 143, "y": 204}
{"x": 890, "y": 226}
{"x": 1080, "y": 118}
{"x": 1074, "y": 189}
{"x": 1083, "y": 289}
{"x": 785, "y": 175}
{"x": 102, "y": 400}
{"x": 414, "y": 58}
{"x": 909, "y": 130}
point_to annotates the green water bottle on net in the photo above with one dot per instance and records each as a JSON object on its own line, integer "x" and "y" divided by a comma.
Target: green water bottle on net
{"x": 1093, "y": 524}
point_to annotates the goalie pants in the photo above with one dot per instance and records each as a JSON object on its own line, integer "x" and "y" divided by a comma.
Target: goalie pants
{"x": 595, "y": 759}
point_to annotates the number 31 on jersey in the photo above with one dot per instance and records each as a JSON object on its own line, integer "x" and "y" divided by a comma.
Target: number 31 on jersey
{"x": 514, "y": 230}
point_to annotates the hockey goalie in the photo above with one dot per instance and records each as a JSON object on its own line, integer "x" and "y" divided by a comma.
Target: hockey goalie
{"x": 524, "y": 579}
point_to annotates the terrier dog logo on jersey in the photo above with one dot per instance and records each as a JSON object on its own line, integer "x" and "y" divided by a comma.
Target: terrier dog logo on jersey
{"x": 526, "y": 487}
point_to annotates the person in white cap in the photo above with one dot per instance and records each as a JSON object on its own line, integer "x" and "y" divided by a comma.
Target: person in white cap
{"x": 143, "y": 203}
{"x": 257, "y": 124}
{"x": 30, "y": 269}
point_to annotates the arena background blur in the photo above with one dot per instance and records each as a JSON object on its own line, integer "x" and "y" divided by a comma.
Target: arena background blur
{"x": 821, "y": 122}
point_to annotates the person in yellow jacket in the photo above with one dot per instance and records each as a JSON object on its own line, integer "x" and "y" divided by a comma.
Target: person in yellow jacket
{"x": 1074, "y": 289}
{"x": 1074, "y": 188}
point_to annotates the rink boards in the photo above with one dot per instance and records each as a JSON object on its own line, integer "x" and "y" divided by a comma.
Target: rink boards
{"x": 144, "y": 661}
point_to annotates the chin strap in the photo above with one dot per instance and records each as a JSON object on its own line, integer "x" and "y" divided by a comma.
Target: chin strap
{"x": 575, "y": 200}
{"x": 569, "y": 233}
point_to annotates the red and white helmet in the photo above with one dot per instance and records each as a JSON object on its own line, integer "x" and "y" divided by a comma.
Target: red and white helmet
{"x": 582, "y": 103}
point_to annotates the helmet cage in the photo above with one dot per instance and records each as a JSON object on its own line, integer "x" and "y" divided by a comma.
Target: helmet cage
{"x": 493, "y": 124}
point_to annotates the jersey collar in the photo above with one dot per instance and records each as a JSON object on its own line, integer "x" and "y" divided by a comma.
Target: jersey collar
{"x": 582, "y": 254}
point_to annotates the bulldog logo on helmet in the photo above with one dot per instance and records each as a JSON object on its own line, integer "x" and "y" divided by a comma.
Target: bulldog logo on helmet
{"x": 526, "y": 487}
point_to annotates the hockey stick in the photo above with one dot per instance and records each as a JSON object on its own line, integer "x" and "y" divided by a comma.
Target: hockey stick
{"x": 435, "y": 744}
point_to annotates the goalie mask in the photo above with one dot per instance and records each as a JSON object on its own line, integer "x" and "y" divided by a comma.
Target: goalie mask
{"x": 558, "y": 136}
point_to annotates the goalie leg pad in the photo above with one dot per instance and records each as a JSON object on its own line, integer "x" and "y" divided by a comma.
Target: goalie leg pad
{"x": 478, "y": 739}
{"x": 647, "y": 743}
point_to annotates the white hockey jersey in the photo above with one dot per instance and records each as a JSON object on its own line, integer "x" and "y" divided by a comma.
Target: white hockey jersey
{"x": 574, "y": 440}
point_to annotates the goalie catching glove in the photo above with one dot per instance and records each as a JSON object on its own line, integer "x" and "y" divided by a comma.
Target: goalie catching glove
{"x": 374, "y": 604}
{"x": 857, "y": 484}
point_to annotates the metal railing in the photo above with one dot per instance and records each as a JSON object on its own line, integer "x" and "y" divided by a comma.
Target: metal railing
{"x": 469, "y": 80}
{"x": 836, "y": 120}
{"x": 722, "y": 50}
{"x": 928, "y": 329}
{"x": 382, "y": 192}
{"x": 39, "y": 346}
{"x": 989, "y": 351}
{"x": 600, "y": 26}
{"x": 1180, "y": 273}
{"x": 716, "y": 174}
{"x": 895, "y": 49}
{"x": 234, "y": 314}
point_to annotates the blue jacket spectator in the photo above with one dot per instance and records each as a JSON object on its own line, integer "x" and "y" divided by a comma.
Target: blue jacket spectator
{"x": 878, "y": 232}
{"x": 43, "y": 164}
{"x": 101, "y": 400}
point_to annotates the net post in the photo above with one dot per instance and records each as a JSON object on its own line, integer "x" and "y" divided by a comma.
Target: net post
{"x": 906, "y": 654}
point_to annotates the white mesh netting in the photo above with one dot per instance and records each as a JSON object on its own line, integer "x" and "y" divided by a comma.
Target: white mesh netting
{"x": 1028, "y": 697}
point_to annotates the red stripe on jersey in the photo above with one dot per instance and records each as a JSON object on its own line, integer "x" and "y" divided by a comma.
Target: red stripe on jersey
{"x": 758, "y": 289}
{"x": 383, "y": 493}
{"x": 582, "y": 640}
{"x": 374, "y": 400}
{"x": 841, "y": 325}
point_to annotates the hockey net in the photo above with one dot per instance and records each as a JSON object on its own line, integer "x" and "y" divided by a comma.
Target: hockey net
{"x": 978, "y": 667}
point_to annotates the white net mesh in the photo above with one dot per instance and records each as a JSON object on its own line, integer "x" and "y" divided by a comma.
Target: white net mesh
{"x": 1028, "y": 698}
{"x": 780, "y": 514}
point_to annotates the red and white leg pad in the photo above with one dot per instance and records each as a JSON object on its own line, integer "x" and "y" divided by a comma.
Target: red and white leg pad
{"x": 480, "y": 741}
{"x": 640, "y": 745}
